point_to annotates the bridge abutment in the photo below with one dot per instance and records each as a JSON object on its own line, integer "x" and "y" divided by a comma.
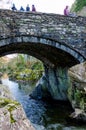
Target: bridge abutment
{"x": 54, "y": 84}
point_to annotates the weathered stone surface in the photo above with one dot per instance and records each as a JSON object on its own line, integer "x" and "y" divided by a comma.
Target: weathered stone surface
{"x": 78, "y": 75}
{"x": 78, "y": 93}
{"x": 56, "y": 40}
{"x": 54, "y": 84}
{"x": 41, "y": 90}
{"x": 15, "y": 119}
{"x": 63, "y": 39}
{"x": 12, "y": 116}
{"x": 5, "y": 92}
{"x": 78, "y": 116}
{"x": 20, "y": 121}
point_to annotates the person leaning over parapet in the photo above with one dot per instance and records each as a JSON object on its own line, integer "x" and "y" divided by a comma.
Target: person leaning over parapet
{"x": 27, "y": 7}
{"x": 14, "y": 8}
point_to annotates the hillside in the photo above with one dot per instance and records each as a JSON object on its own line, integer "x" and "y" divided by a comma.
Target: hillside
{"x": 79, "y": 7}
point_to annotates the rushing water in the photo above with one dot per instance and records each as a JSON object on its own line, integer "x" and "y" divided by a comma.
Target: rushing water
{"x": 43, "y": 115}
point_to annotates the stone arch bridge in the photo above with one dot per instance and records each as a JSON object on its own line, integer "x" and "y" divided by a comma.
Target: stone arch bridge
{"x": 58, "y": 41}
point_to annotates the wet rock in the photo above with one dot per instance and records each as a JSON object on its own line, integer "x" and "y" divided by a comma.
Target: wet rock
{"x": 78, "y": 116}
{"x": 53, "y": 84}
{"x": 80, "y": 71}
{"x": 12, "y": 115}
{"x": 14, "y": 119}
{"x": 40, "y": 90}
{"x": 5, "y": 92}
{"x": 78, "y": 76}
{"x": 77, "y": 93}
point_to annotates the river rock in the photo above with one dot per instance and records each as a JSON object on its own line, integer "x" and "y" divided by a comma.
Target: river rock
{"x": 78, "y": 116}
{"x": 78, "y": 75}
{"x": 12, "y": 115}
{"x": 41, "y": 91}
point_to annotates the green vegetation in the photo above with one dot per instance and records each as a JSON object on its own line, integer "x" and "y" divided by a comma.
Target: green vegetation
{"x": 10, "y": 105}
{"x": 78, "y": 5}
{"x": 80, "y": 99}
{"x": 27, "y": 68}
{"x": 6, "y": 101}
{"x": 78, "y": 96}
{"x": 23, "y": 67}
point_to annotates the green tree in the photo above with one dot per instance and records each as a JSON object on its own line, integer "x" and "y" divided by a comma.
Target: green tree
{"x": 78, "y": 5}
{"x": 23, "y": 67}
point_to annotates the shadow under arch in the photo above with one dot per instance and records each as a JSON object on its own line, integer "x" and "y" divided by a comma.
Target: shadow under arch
{"x": 56, "y": 55}
{"x": 50, "y": 52}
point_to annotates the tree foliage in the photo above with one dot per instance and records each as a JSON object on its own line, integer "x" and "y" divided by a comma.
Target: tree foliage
{"x": 23, "y": 69}
{"x": 78, "y": 5}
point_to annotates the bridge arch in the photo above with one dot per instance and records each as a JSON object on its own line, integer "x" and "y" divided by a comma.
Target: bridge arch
{"x": 58, "y": 41}
{"x": 50, "y": 52}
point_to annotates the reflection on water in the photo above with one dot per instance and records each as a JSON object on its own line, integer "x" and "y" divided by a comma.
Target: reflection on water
{"x": 43, "y": 115}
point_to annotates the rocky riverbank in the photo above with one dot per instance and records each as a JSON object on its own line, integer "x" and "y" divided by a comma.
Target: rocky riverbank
{"x": 77, "y": 93}
{"x": 12, "y": 115}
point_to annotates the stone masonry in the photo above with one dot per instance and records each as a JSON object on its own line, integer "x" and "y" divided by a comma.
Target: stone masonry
{"x": 58, "y": 41}
{"x": 56, "y": 35}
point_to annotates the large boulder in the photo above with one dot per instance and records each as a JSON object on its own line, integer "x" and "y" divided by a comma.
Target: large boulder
{"x": 78, "y": 116}
{"x": 77, "y": 93}
{"x": 12, "y": 115}
{"x": 78, "y": 75}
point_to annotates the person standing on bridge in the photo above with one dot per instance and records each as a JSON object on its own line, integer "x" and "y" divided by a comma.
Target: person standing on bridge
{"x": 14, "y": 8}
{"x": 27, "y": 7}
{"x": 33, "y": 8}
{"x": 21, "y": 8}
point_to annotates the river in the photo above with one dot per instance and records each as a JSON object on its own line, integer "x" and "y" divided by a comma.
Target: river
{"x": 43, "y": 115}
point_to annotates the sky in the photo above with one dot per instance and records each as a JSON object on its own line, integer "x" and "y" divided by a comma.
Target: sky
{"x": 49, "y": 6}
{"x": 46, "y": 6}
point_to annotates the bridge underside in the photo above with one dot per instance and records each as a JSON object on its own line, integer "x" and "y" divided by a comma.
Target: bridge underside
{"x": 52, "y": 55}
{"x": 47, "y": 54}
{"x": 56, "y": 58}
